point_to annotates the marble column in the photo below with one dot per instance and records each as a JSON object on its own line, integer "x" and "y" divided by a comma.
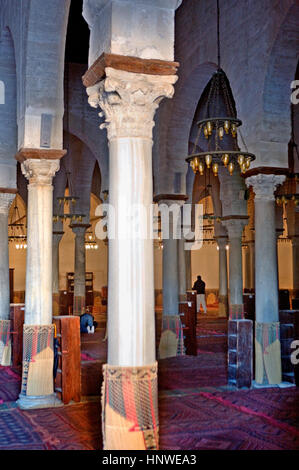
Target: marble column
{"x": 267, "y": 337}
{"x": 57, "y": 236}
{"x": 223, "y": 297}
{"x": 182, "y": 269}
{"x": 6, "y": 199}
{"x": 188, "y": 269}
{"x": 295, "y": 252}
{"x": 37, "y": 389}
{"x": 129, "y": 101}
{"x": 170, "y": 269}
{"x": 235, "y": 228}
{"x": 239, "y": 329}
{"x": 80, "y": 268}
{"x": 174, "y": 273}
{"x": 251, "y": 248}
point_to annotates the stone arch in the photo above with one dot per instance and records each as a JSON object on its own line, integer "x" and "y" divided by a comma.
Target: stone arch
{"x": 173, "y": 144}
{"x": 43, "y": 72}
{"x": 80, "y": 162}
{"x": 283, "y": 60}
{"x": 8, "y": 110}
{"x": 83, "y": 121}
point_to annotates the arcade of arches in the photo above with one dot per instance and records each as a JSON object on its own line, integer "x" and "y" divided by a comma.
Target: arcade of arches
{"x": 91, "y": 115}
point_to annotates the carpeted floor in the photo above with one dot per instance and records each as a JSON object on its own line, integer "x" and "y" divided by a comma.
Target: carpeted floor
{"x": 206, "y": 421}
{"x": 10, "y": 384}
{"x": 73, "y": 427}
{"x": 197, "y": 410}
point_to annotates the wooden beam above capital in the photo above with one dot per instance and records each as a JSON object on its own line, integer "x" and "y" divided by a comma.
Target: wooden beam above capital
{"x": 96, "y": 71}
{"x": 39, "y": 154}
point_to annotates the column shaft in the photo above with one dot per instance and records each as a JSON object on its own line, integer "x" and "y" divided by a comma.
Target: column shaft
{"x": 5, "y": 340}
{"x": 295, "y": 251}
{"x": 37, "y": 389}
{"x": 4, "y": 266}
{"x": 267, "y": 335}
{"x": 170, "y": 276}
{"x": 38, "y": 300}
{"x": 266, "y": 262}
{"x": 129, "y": 101}
{"x": 223, "y": 297}
{"x": 80, "y": 268}
{"x": 55, "y": 271}
{"x": 182, "y": 269}
{"x": 131, "y": 324}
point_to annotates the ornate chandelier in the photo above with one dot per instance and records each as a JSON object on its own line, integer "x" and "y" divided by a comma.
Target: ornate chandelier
{"x": 217, "y": 137}
{"x": 16, "y": 229}
{"x": 66, "y": 207}
{"x": 287, "y": 192}
{"x": 90, "y": 242}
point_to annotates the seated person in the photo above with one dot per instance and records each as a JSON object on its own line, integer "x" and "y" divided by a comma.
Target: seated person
{"x": 87, "y": 323}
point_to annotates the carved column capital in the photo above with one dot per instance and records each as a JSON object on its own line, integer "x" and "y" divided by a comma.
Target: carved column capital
{"x": 79, "y": 229}
{"x": 222, "y": 242}
{"x": 129, "y": 101}
{"x": 5, "y": 202}
{"x": 264, "y": 185}
{"x": 235, "y": 226}
{"x": 40, "y": 172}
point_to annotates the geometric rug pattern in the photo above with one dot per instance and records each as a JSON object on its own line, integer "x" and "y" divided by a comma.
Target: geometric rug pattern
{"x": 196, "y": 422}
{"x": 10, "y": 384}
{"x": 196, "y": 408}
{"x": 74, "y": 427}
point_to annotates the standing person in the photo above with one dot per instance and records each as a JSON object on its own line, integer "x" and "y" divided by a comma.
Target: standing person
{"x": 200, "y": 287}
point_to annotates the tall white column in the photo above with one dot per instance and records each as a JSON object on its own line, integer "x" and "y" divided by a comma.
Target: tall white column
{"x": 174, "y": 274}
{"x": 235, "y": 228}
{"x": 6, "y": 199}
{"x": 170, "y": 277}
{"x": 37, "y": 378}
{"x": 57, "y": 236}
{"x": 80, "y": 268}
{"x": 170, "y": 267}
{"x": 188, "y": 269}
{"x": 223, "y": 297}
{"x": 295, "y": 252}
{"x": 251, "y": 248}
{"x": 129, "y": 101}
{"x": 182, "y": 269}
{"x": 267, "y": 338}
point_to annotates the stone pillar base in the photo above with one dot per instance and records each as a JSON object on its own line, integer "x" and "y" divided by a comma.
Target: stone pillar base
{"x": 130, "y": 408}
{"x": 5, "y": 343}
{"x": 236, "y": 312}
{"x": 79, "y": 305}
{"x": 172, "y": 337}
{"x": 32, "y": 402}
{"x": 240, "y": 341}
{"x": 267, "y": 353}
{"x": 223, "y": 306}
{"x": 56, "y": 298}
{"x": 38, "y": 360}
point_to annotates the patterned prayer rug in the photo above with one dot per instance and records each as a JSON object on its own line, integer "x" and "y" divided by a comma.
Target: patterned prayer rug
{"x": 10, "y": 384}
{"x": 74, "y": 427}
{"x": 198, "y": 421}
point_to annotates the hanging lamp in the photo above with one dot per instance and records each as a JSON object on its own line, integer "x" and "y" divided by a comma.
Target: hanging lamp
{"x": 16, "y": 233}
{"x": 217, "y": 137}
{"x": 67, "y": 203}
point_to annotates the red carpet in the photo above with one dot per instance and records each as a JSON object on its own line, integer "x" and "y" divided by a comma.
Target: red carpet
{"x": 10, "y": 384}
{"x": 75, "y": 427}
{"x": 196, "y": 421}
{"x": 195, "y": 411}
